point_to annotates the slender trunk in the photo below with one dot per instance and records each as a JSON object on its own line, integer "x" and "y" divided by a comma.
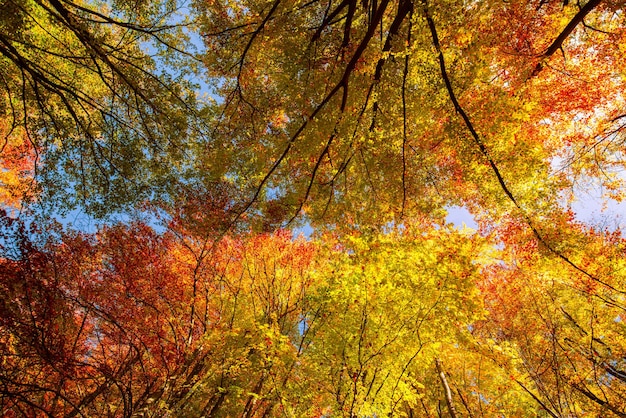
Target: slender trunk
{"x": 446, "y": 389}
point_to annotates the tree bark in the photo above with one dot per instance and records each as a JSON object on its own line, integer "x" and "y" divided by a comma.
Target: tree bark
{"x": 446, "y": 389}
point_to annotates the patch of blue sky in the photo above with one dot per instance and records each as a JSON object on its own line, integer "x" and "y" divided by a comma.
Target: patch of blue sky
{"x": 598, "y": 209}
{"x": 305, "y": 230}
{"x": 460, "y": 217}
{"x": 592, "y": 203}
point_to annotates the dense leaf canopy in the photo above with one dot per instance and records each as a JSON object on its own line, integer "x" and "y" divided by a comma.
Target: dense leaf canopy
{"x": 218, "y": 128}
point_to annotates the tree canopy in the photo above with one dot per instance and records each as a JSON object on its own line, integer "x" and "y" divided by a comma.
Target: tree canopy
{"x": 220, "y": 128}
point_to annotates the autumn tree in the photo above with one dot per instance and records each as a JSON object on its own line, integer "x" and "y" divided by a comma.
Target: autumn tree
{"x": 358, "y": 327}
{"x": 367, "y": 113}
{"x": 90, "y": 324}
{"x": 367, "y": 120}
{"x": 377, "y": 112}
{"x": 101, "y": 95}
{"x": 563, "y": 327}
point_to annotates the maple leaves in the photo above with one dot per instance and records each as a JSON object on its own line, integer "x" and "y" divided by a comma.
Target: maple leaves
{"x": 348, "y": 325}
{"x": 364, "y": 120}
{"x": 388, "y": 308}
{"x": 561, "y": 322}
{"x": 16, "y": 177}
{"x": 77, "y": 338}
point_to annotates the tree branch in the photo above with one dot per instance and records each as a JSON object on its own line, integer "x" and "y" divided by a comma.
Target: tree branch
{"x": 446, "y": 388}
{"x": 558, "y": 42}
{"x": 486, "y": 154}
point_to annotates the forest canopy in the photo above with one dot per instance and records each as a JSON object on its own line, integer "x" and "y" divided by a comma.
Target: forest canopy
{"x": 217, "y": 130}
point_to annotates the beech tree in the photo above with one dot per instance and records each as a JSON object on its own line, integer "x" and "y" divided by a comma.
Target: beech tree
{"x": 99, "y": 93}
{"x": 410, "y": 104}
{"x": 219, "y": 126}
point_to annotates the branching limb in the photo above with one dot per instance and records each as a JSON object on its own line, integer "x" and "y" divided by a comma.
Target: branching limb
{"x": 565, "y": 33}
{"x": 490, "y": 161}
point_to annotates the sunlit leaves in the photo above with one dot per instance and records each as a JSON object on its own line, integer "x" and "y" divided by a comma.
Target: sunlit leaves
{"x": 80, "y": 86}
{"x": 366, "y": 120}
